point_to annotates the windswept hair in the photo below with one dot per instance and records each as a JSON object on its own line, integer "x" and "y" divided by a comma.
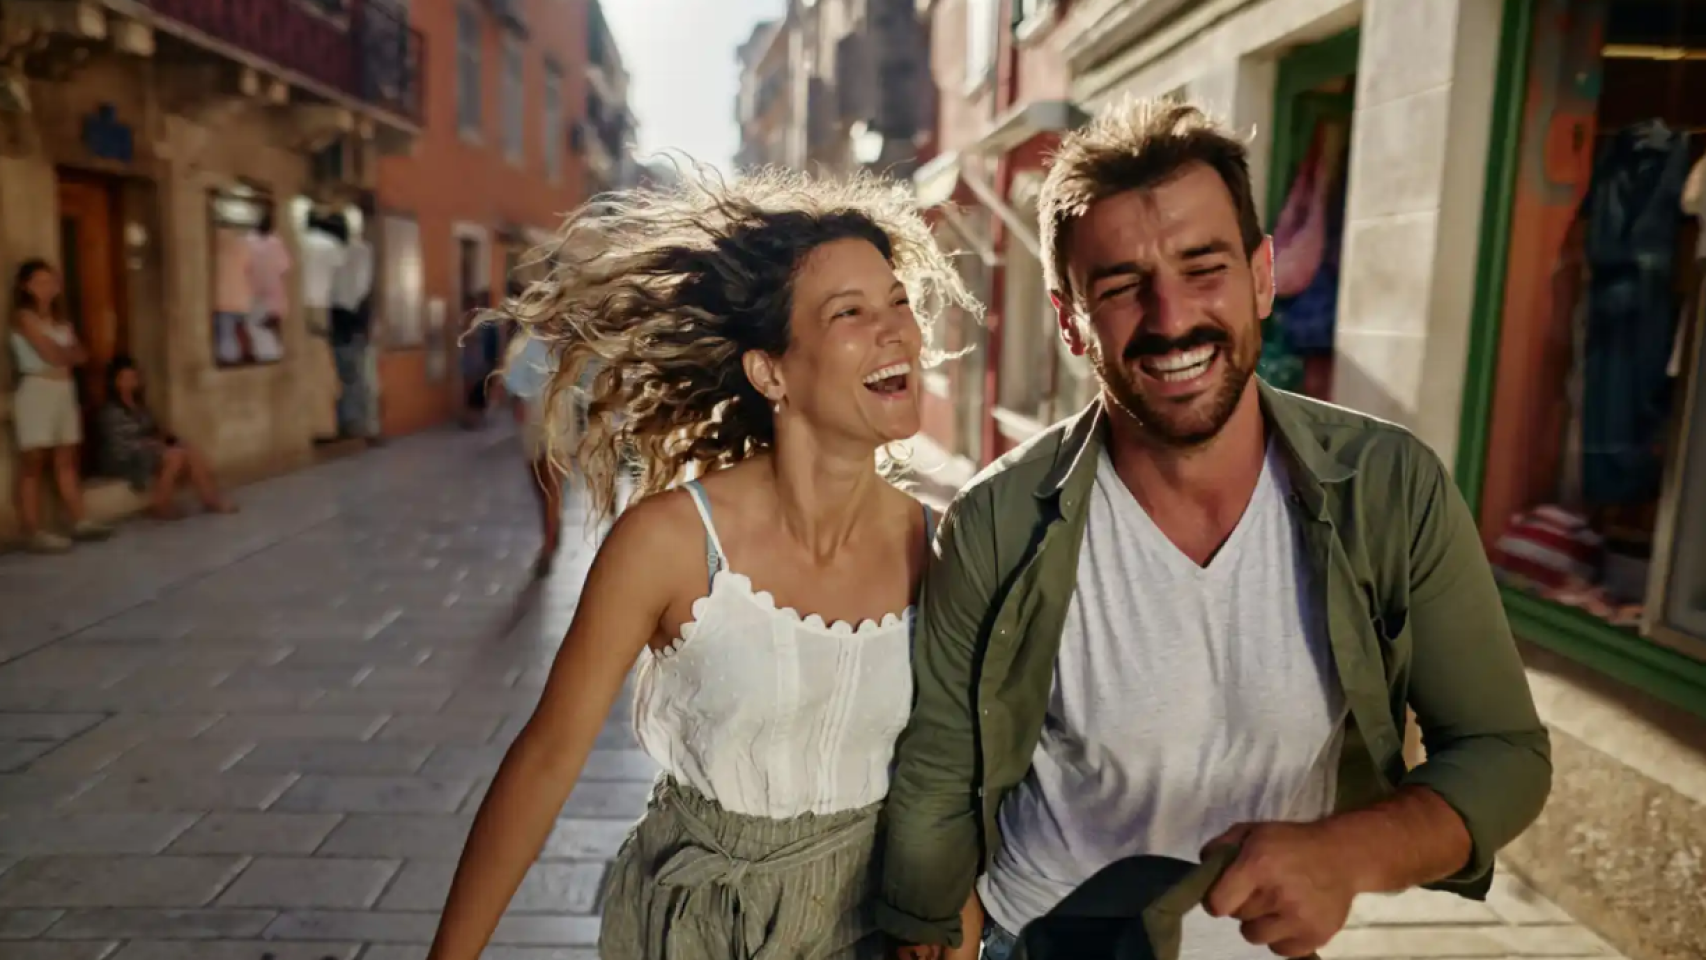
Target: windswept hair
{"x": 658, "y": 293}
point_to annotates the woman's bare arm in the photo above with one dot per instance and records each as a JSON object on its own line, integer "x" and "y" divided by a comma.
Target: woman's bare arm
{"x": 620, "y": 609}
{"x": 34, "y": 330}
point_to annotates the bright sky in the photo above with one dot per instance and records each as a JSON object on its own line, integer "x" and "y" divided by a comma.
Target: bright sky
{"x": 680, "y": 55}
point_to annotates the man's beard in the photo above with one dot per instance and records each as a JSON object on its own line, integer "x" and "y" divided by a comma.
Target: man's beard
{"x": 1184, "y": 423}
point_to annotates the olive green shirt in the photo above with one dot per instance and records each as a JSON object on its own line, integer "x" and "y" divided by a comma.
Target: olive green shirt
{"x": 1413, "y": 618}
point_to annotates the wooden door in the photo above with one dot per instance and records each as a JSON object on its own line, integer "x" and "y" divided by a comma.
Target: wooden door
{"x": 89, "y": 258}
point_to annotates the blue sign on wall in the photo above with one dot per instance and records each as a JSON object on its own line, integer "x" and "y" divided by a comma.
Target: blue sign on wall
{"x": 107, "y": 138}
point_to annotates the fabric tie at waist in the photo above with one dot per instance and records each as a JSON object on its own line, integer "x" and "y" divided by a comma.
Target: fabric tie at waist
{"x": 706, "y": 867}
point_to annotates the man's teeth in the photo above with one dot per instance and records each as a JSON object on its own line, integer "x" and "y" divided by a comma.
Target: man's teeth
{"x": 1181, "y": 365}
{"x": 893, "y": 370}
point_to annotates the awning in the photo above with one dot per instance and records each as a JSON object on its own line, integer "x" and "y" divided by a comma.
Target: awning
{"x": 1026, "y": 120}
{"x": 936, "y": 181}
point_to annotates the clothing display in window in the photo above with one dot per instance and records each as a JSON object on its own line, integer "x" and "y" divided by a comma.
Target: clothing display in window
{"x": 1630, "y": 220}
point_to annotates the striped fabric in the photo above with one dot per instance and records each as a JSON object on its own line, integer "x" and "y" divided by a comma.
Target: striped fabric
{"x": 695, "y": 882}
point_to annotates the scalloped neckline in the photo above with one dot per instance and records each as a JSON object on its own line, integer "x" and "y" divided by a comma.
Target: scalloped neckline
{"x": 841, "y": 629}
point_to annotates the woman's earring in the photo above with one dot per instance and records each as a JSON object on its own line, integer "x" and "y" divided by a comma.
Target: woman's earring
{"x": 776, "y": 407}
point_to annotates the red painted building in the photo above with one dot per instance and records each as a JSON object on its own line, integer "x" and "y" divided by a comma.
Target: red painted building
{"x": 525, "y": 116}
{"x": 1001, "y": 84}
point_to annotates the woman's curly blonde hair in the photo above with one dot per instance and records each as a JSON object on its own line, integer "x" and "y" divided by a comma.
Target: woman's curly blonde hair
{"x": 658, "y": 292}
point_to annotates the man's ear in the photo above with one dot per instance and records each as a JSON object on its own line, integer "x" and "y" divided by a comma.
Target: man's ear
{"x": 1262, "y": 272}
{"x": 1067, "y": 317}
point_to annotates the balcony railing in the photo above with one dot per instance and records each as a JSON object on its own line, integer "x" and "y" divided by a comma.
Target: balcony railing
{"x": 364, "y": 49}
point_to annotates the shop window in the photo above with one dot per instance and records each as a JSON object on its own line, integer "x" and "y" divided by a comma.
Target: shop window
{"x": 1313, "y": 109}
{"x": 1027, "y": 339}
{"x": 469, "y": 89}
{"x": 250, "y": 290}
{"x": 401, "y": 281}
{"x": 1590, "y": 419}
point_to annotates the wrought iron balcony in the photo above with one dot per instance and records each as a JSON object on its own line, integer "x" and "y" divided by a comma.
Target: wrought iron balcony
{"x": 363, "y": 49}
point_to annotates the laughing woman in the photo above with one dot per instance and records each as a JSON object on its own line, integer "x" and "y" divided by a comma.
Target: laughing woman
{"x": 766, "y": 336}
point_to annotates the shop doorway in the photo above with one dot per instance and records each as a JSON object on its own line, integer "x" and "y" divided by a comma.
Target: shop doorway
{"x": 1589, "y": 498}
{"x": 1314, "y": 102}
{"x": 91, "y": 246}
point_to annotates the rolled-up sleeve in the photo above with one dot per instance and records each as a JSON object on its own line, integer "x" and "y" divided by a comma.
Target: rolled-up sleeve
{"x": 1488, "y": 754}
{"x": 932, "y": 851}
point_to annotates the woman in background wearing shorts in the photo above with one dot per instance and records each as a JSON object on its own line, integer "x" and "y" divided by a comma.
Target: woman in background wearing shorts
{"x": 45, "y": 414}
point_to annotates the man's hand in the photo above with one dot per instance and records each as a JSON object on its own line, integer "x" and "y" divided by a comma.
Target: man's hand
{"x": 1290, "y": 886}
{"x": 927, "y": 951}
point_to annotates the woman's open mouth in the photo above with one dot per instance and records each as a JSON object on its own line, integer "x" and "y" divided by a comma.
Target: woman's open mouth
{"x": 890, "y": 382}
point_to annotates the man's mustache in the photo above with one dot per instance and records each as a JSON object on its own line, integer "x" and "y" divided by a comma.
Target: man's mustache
{"x": 1155, "y": 345}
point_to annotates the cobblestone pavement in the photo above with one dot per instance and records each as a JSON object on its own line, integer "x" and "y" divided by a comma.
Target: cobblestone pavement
{"x": 264, "y": 736}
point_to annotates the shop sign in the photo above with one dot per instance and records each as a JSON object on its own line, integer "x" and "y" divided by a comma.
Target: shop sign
{"x": 104, "y": 136}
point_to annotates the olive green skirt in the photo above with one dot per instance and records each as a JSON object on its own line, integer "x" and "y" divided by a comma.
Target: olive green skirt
{"x": 696, "y": 882}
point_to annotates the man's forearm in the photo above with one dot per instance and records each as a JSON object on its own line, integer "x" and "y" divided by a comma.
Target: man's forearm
{"x": 1409, "y": 839}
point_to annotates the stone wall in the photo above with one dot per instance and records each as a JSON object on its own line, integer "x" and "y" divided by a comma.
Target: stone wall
{"x": 250, "y": 421}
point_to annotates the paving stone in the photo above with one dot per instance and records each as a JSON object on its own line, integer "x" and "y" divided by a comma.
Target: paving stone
{"x": 353, "y": 925}
{"x": 608, "y": 799}
{"x": 1413, "y": 943}
{"x": 46, "y": 726}
{"x": 256, "y": 833}
{"x": 26, "y": 924}
{"x": 110, "y": 833}
{"x": 66, "y": 950}
{"x": 521, "y": 929}
{"x": 303, "y": 882}
{"x": 95, "y": 748}
{"x": 158, "y": 881}
{"x": 234, "y": 950}
{"x": 339, "y": 794}
{"x": 130, "y": 924}
{"x": 192, "y": 791}
{"x": 336, "y": 756}
{"x": 166, "y": 757}
{"x": 1517, "y": 902}
{"x": 412, "y": 836}
{"x": 305, "y": 726}
{"x": 547, "y": 888}
{"x": 36, "y": 791}
{"x": 577, "y": 839}
{"x": 1551, "y": 941}
{"x": 465, "y": 762}
{"x": 363, "y": 700}
{"x": 17, "y": 754}
{"x": 632, "y": 765}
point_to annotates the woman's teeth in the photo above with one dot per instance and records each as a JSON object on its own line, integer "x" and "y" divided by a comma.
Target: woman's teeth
{"x": 892, "y": 370}
{"x": 889, "y": 379}
{"x": 1180, "y": 365}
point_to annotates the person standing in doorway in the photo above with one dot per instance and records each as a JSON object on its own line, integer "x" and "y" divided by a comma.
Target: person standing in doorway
{"x": 1194, "y": 614}
{"x": 45, "y": 414}
{"x": 351, "y": 316}
{"x": 322, "y": 256}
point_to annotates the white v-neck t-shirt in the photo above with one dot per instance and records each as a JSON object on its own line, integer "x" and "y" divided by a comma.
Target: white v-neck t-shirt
{"x": 1186, "y": 699}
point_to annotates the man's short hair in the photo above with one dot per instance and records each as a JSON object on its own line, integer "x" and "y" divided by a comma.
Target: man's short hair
{"x": 1135, "y": 146}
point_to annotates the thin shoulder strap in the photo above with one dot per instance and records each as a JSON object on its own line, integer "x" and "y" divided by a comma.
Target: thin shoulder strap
{"x": 715, "y": 559}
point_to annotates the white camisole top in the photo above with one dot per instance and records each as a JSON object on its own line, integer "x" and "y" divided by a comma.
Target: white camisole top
{"x": 770, "y": 713}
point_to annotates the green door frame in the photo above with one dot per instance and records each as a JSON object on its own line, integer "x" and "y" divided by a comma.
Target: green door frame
{"x": 1300, "y": 71}
{"x": 1615, "y": 652}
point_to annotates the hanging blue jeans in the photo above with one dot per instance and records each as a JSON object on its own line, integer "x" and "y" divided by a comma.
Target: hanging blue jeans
{"x": 1631, "y": 210}
{"x": 1631, "y": 329}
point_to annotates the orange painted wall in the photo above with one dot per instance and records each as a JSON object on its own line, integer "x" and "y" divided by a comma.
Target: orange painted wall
{"x": 449, "y": 180}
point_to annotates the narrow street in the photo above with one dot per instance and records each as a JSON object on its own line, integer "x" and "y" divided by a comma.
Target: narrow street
{"x": 263, "y": 737}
